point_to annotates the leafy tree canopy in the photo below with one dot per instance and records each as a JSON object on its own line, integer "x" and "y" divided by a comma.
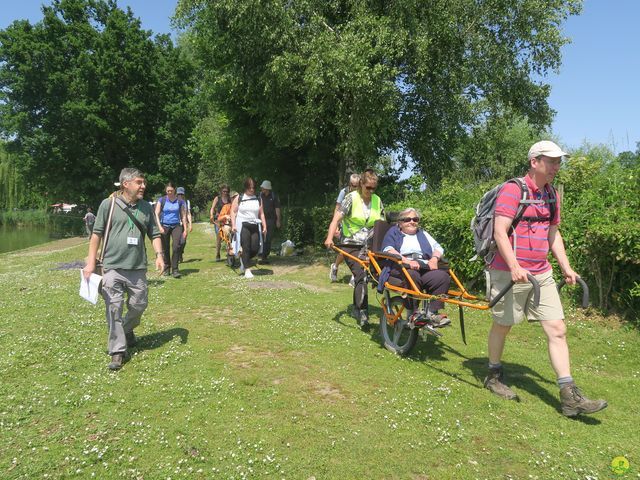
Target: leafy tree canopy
{"x": 359, "y": 79}
{"x": 86, "y": 92}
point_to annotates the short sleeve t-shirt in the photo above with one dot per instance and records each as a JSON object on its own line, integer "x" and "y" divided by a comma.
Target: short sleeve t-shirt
{"x": 531, "y": 237}
{"x": 269, "y": 204}
{"x": 120, "y": 253}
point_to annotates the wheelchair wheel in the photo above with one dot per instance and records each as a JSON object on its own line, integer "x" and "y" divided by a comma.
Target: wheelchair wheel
{"x": 398, "y": 338}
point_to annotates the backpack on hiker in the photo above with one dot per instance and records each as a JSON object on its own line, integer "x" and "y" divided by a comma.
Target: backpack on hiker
{"x": 482, "y": 222}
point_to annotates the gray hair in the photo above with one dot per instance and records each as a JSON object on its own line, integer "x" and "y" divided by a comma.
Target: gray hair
{"x": 128, "y": 174}
{"x": 405, "y": 212}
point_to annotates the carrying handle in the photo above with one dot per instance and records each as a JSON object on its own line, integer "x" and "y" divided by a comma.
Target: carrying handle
{"x": 503, "y": 292}
{"x": 585, "y": 290}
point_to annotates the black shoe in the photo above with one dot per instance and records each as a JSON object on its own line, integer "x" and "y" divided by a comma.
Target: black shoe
{"x": 131, "y": 339}
{"x": 176, "y": 274}
{"x": 218, "y": 258}
{"x": 116, "y": 361}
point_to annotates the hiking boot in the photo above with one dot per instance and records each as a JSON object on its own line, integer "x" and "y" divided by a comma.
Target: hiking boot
{"x": 573, "y": 402}
{"x": 131, "y": 339}
{"x": 363, "y": 320}
{"x": 493, "y": 382}
{"x": 333, "y": 273}
{"x": 116, "y": 361}
{"x": 176, "y": 274}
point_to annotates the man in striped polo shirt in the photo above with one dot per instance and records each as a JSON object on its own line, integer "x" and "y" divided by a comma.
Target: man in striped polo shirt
{"x": 525, "y": 251}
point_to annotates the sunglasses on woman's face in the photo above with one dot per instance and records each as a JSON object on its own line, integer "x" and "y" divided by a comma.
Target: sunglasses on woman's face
{"x": 410, "y": 219}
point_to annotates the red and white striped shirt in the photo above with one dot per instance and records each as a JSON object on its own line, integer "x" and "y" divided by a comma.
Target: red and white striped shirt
{"x": 531, "y": 237}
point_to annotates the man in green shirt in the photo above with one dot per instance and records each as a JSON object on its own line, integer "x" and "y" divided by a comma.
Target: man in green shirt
{"x": 125, "y": 260}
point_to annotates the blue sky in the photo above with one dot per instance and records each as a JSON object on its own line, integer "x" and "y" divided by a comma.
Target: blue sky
{"x": 596, "y": 93}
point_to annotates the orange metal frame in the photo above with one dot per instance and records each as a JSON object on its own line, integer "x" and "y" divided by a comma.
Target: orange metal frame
{"x": 460, "y": 297}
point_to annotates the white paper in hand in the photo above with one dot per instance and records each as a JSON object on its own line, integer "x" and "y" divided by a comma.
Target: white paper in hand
{"x": 89, "y": 288}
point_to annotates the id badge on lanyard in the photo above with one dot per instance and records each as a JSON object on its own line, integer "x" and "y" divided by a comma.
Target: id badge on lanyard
{"x": 132, "y": 240}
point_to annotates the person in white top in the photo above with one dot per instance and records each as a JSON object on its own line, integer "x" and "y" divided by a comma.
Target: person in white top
{"x": 247, "y": 216}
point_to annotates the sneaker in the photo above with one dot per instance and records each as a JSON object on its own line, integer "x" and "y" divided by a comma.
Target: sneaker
{"x": 131, "y": 339}
{"x": 438, "y": 320}
{"x": 116, "y": 361}
{"x": 333, "y": 273}
{"x": 493, "y": 382}
{"x": 352, "y": 282}
{"x": 248, "y": 274}
{"x": 363, "y": 320}
{"x": 176, "y": 274}
{"x": 574, "y": 402}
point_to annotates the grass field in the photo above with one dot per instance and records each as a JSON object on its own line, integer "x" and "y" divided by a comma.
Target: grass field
{"x": 271, "y": 378}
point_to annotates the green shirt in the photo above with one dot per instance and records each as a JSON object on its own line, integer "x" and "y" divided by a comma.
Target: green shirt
{"x": 119, "y": 252}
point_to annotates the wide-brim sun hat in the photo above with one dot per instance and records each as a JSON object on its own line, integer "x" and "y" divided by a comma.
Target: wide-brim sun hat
{"x": 266, "y": 185}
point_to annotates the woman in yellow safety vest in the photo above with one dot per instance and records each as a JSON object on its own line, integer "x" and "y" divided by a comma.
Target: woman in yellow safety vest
{"x": 358, "y": 212}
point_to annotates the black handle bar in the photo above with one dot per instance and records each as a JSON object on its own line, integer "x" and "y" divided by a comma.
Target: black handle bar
{"x": 585, "y": 290}
{"x": 503, "y": 292}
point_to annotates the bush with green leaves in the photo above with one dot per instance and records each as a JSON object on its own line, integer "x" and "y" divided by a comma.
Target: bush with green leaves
{"x": 601, "y": 225}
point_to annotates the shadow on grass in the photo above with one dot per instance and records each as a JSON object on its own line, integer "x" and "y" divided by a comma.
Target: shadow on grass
{"x": 527, "y": 379}
{"x": 261, "y": 271}
{"x": 291, "y": 261}
{"x": 188, "y": 271}
{"x": 191, "y": 260}
{"x": 158, "y": 339}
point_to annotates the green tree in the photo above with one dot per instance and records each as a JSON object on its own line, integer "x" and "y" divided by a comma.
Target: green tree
{"x": 496, "y": 149}
{"x": 86, "y": 92}
{"x": 359, "y": 79}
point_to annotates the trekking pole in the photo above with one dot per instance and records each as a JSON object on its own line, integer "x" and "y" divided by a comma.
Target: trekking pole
{"x": 585, "y": 290}
{"x": 503, "y": 292}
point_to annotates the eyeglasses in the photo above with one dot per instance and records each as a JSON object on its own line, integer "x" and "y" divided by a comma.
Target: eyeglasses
{"x": 410, "y": 219}
{"x": 225, "y": 191}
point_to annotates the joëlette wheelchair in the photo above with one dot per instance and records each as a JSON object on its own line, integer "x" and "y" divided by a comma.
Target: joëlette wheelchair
{"x": 398, "y": 331}
{"x": 225, "y": 237}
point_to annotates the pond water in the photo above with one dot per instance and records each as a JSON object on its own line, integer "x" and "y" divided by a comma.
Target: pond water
{"x": 16, "y": 238}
